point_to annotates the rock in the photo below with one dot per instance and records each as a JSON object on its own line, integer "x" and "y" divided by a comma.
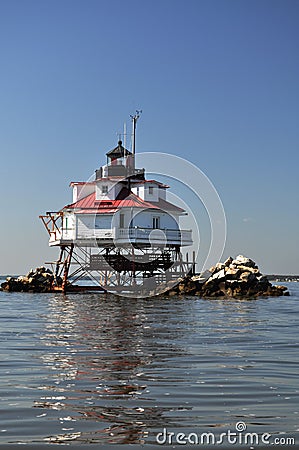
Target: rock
{"x": 38, "y": 280}
{"x": 4, "y": 286}
{"x": 248, "y": 277}
{"x": 280, "y": 288}
{"x": 217, "y": 276}
{"x": 212, "y": 269}
{"x": 172, "y": 293}
{"x": 244, "y": 261}
{"x": 235, "y": 278}
{"x": 228, "y": 261}
{"x": 232, "y": 272}
{"x": 202, "y": 277}
{"x": 249, "y": 269}
{"x": 181, "y": 287}
{"x": 229, "y": 292}
{"x": 222, "y": 287}
{"x": 262, "y": 279}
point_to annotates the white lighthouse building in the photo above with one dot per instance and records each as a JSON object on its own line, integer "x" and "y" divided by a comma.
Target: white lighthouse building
{"x": 120, "y": 231}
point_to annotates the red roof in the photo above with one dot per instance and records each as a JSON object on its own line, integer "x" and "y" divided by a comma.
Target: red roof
{"x": 125, "y": 199}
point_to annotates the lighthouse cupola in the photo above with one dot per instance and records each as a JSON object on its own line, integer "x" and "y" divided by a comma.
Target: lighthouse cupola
{"x": 120, "y": 163}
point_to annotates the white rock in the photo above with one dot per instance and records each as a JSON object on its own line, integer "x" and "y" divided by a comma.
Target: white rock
{"x": 202, "y": 277}
{"x": 243, "y": 261}
{"x": 217, "y": 276}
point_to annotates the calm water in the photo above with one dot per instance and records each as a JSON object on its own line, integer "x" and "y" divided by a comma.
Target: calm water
{"x": 89, "y": 369}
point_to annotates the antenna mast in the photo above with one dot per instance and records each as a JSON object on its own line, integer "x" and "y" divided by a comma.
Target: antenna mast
{"x": 134, "y": 120}
{"x": 125, "y": 134}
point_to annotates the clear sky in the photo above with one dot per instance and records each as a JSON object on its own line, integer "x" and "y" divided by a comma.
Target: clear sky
{"x": 217, "y": 81}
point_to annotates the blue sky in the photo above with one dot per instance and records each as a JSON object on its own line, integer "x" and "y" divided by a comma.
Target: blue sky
{"x": 217, "y": 81}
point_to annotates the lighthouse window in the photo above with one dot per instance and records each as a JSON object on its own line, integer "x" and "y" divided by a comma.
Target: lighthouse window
{"x": 66, "y": 223}
{"x": 150, "y": 190}
{"x": 121, "y": 220}
{"x": 156, "y": 222}
{"x": 105, "y": 189}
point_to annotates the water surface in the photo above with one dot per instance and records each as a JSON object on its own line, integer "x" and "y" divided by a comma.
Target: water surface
{"x": 95, "y": 369}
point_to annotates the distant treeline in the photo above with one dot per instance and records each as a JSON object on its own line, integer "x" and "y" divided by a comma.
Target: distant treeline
{"x": 283, "y": 277}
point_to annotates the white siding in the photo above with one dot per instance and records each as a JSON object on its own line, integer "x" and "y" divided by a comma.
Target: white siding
{"x": 103, "y": 221}
{"x": 116, "y": 218}
{"x": 162, "y": 193}
{"x": 144, "y": 219}
{"x": 90, "y": 225}
{"x": 68, "y": 226}
{"x": 82, "y": 190}
{"x": 139, "y": 190}
{"x": 85, "y": 225}
{"x": 113, "y": 190}
{"x": 151, "y": 192}
{"x": 143, "y": 191}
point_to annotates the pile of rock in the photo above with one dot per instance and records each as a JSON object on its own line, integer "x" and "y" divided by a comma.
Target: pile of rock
{"x": 38, "y": 280}
{"x": 239, "y": 277}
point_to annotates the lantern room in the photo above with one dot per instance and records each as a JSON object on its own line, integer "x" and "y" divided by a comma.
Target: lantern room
{"x": 120, "y": 163}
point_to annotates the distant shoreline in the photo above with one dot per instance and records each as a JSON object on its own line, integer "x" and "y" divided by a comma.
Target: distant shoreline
{"x": 284, "y": 278}
{"x": 272, "y": 277}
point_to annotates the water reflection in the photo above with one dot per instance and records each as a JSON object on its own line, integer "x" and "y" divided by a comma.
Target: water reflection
{"x": 104, "y": 370}
{"x": 118, "y": 369}
{"x": 98, "y": 350}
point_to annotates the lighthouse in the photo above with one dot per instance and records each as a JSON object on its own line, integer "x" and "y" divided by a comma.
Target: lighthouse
{"x": 120, "y": 233}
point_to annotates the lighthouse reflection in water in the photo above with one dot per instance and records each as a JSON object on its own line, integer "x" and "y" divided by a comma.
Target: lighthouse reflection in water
{"x": 98, "y": 390}
{"x": 96, "y": 369}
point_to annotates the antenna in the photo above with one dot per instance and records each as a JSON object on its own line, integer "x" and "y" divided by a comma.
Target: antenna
{"x": 134, "y": 120}
{"x": 125, "y": 134}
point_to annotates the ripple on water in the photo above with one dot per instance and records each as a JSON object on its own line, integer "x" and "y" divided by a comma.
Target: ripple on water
{"x": 95, "y": 369}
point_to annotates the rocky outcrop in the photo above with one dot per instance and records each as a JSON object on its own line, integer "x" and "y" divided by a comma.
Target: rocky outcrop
{"x": 38, "y": 280}
{"x": 235, "y": 278}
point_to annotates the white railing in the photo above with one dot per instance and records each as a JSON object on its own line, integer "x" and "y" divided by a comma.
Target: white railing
{"x": 55, "y": 236}
{"x": 137, "y": 234}
{"x": 105, "y": 233}
{"x": 124, "y": 235}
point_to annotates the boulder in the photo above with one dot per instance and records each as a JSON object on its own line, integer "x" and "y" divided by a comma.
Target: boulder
{"x": 239, "y": 277}
{"x": 248, "y": 277}
{"x": 217, "y": 276}
{"x": 202, "y": 277}
{"x": 38, "y": 280}
{"x": 249, "y": 269}
{"x": 232, "y": 272}
{"x": 241, "y": 260}
{"x": 228, "y": 261}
